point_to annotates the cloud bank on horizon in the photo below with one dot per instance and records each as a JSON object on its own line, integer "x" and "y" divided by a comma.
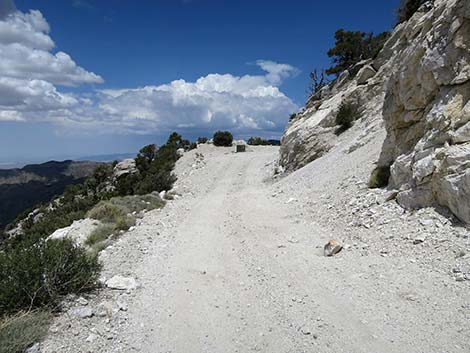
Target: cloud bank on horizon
{"x": 31, "y": 74}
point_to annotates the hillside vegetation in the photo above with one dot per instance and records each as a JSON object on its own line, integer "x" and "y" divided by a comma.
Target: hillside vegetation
{"x": 36, "y": 272}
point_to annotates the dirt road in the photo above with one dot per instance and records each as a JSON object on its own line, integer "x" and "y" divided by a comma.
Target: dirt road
{"x": 232, "y": 267}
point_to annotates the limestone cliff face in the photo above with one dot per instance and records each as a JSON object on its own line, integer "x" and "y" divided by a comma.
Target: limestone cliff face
{"x": 427, "y": 110}
{"x": 418, "y": 89}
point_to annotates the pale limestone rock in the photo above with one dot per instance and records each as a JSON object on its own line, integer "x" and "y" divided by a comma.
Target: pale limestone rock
{"x": 366, "y": 73}
{"x": 426, "y": 111}
{"x": 424, "y": 168}
{"x": 122, "y": 283}
{"x": 127, "y": 166}
{"x": 419, "y": 84}
{"x": 36, "y": 348}
{"x": 78, "y": 231}
{"x": 462, "y": 134}
{"x": 82, "y": 312}
{"x": 332, "y": 248}
{"x": 451, "y": 184}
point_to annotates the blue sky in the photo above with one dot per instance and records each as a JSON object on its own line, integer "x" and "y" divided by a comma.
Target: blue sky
{"x": 118, "y": 47}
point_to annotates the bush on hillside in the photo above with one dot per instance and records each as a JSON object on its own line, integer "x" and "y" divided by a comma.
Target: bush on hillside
{"x": 40, "y": 274}
{"x": 145, "y": 157}
{"x": 202, "y": 140}
{"x": 22, "y": 330}
{"x": 101, "y": 234}
{"x": 407, "y": 9}
{"x": 36, "y": 273}
{"x": 223, "y": 139}
{"x": 159, "y": 180}
{"x": 99, "y": 177}
{"x": 155, "y": 166}
{"x": 348, "y": 112}
{"x": 257, "y": 141}
{"x": 108, "y": 212}
{"x": 176, "y": 141}
{"x": 138, "y": 203}
{"x": 117, "y": 214}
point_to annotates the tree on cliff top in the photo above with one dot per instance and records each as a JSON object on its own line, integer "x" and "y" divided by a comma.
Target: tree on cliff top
{"x": 407, "y": 9}
{"x": 353, "y": 46}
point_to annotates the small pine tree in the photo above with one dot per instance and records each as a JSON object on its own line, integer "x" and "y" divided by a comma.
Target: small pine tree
{"x": 318, "y": 80}
{"x": 407, "y": 9}
{"x": 352, "y": 47}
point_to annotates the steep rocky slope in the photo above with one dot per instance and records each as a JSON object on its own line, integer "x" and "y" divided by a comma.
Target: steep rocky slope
{"x": 416, "y": 92}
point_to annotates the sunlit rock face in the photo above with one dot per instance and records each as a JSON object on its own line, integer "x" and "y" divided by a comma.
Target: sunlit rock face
{"x": 427, "y": 110}
{"x": 418, "y": 90}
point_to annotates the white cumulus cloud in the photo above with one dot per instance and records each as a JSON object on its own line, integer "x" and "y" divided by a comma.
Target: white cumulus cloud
{"x": 25, "y": 52}
{"x": 214, "y": 101}
{"x": 30, "y": 73}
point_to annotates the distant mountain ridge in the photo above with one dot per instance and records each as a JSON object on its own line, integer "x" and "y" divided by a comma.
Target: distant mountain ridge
{"x": 22, "y": 188}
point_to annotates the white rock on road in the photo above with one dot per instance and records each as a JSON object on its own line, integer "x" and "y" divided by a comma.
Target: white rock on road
{"x": 122, "y": 283}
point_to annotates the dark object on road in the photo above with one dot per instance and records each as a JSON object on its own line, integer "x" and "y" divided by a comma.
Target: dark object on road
{"x": 241, "y": 148}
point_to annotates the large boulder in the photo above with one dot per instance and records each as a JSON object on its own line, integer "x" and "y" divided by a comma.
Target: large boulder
{"x": 366, "y": 73}
{"x": 78, "y": 231}
{"x": 127, "y": 166}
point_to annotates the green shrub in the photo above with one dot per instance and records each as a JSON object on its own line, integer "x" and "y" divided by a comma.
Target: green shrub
{"x": 407, "y": 9}
{"x": 114, "y": 214}
{"x": 101, "y": 233}
{"x": 257, "y": 141}
{"x": 40, "y": 274}
{"x": 22, "y": 330}
{"x": 138, "y": 203}
{"x": 202, "y": 140}
{"x": 110, "y": 213}
{"x": 145, "y": 157}
{"x": 223, "y": 139}
{"x": 36, "y": 273}
{"x": 379, "y": 177}
{"x": 348, "y": 112}
{"x": 100, "y": 175}
{"x": 160, "y": 179}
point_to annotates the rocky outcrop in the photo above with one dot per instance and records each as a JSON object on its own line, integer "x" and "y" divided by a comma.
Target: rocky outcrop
{"x": 427, "y": 110}
{"x": 312, "y": 132}
{"x": 127, "y": 166}
{"x": 78, "y": 231}
{"x": 419, "y": 89}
